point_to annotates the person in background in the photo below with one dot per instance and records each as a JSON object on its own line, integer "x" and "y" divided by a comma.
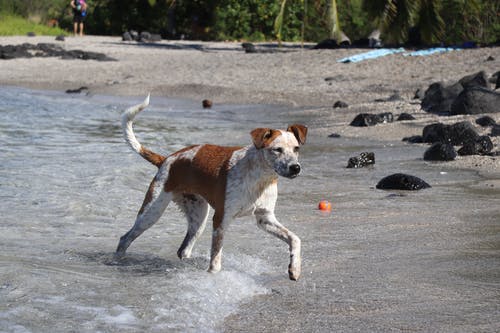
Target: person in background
{"x": 79, "y": 14}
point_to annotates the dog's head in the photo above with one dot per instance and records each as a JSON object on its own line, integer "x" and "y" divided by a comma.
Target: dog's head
{"x": 281, "y": 148}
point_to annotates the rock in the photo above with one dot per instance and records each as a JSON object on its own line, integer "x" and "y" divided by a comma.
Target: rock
{"x": 440, "y": 152}
{"x": 490, "y": 58}
{"x": 438, "y": 98}
{"x": 249, "y": 48}
{"x": 48, "y": 50}
{"x": 334, "y": 135}
{"x": 476, "y": 100}
{"x": 475, "y": 80}
{"x": 340, "y": 104}
{"x": 405, "y": 116}
{"x": 31, "y": 34}
{"x": 497, "y": 84}
{"x": 155, "y": 38}
{"x": 364, "y": 159}
{"x": 368, "y": 119}
{"x": 127, "y": 37}
{"x": 485, "y": 121}
{"x": 60, "y": 38}
{"x": 495, "y": 130}
{"x": 481, "y": 146}
{"x": 414, "y": 139}
{"x": 401, "y": 181}
{"x": 456, "y": 134}
{"x": 77, "y": 90}
{"x": 494, "y": 76}
{"x": 206, "y": 103}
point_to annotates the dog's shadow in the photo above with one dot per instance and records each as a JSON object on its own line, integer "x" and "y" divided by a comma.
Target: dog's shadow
{"x": 144, "y": 264}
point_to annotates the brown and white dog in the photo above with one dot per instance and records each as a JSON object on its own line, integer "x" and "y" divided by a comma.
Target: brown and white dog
{"x": 235, "y": 181}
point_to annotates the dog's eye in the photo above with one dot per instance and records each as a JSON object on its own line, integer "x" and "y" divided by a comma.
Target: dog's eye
{"x": 278, "y": 150}
{"x": 296, "y": 149}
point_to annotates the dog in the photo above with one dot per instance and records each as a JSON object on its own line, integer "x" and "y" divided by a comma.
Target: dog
{"x": 234, "y": 181}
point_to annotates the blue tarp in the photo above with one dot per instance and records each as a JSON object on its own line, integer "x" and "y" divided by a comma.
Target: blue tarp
{"x": 371, "y": 55}
{"x": 430, "y": 51}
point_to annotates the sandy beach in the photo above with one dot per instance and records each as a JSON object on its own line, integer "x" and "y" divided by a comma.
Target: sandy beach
{"x": 291, "y": 76}
{"x": 381, "y": 261}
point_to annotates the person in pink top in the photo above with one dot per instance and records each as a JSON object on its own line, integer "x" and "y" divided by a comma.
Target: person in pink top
{"x": 79, "y": 14}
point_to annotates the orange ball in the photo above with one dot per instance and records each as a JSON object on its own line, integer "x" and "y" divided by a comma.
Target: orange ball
{"x": 325, "y": 206}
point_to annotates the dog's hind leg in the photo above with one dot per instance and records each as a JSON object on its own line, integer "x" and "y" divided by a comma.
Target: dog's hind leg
{"x": 196, "y": 210}
{"x": 154, "y": 205}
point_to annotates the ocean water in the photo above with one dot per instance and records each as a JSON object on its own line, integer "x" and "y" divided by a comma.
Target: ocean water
{"x": 381, "y": 261}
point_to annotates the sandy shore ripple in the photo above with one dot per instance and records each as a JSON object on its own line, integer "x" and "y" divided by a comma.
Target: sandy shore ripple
{"x": 293, "y": 76}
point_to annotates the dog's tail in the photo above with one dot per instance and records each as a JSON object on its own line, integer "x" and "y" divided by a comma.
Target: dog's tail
{"x": 128, "y": 132}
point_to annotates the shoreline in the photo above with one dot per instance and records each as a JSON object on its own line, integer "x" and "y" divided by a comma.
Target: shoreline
{"x": 312, "y": 80}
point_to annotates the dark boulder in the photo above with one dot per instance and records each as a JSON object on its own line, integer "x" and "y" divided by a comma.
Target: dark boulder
{"x": 495, "y": 130}
{"x": 405, "y": 116}
{"x": 456, "y": 134}
{"x": 440, "y": 152}
{"x": 438, "y": 98}
{"x": 476, "y": 100}
{"x": 481, "y": 146}
{"x": 401, "y": 181}
{"x": 485, "y": 121}
{"x": 368, "y": 119}
{"x": 206, "y": 103}
{"x": 475, "y": 80}
{"x": 340, "y": 104}
{"x": 364, "y": 159}
{"x": 414, "y": 139}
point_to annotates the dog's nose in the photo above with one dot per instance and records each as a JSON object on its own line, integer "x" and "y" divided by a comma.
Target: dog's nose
{"x": 294, "y": 169}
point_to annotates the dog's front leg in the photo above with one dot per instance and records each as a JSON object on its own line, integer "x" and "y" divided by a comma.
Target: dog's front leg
{"x": 268, "y": 222}
{"x": 217, "y": 238}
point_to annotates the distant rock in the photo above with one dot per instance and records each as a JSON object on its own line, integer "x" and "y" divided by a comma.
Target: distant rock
{"x": 481, "y": 146}
{"x": 127, "y": 37}
{"x": 27, "y": 50}
{"x": 368, "y": 119}
{"x": 440, "y": 152}
{"x": 414, "y": 139}
{"x": 438, "y": 98}
{"x": 495, "y": 130}
{"x": 401, "y": 181}
{"x": 476, "y": 100}
{"x": 456, "y": 134}
{"x": 485, "y": 121}
{"x": 364, "y": 159}
{"x": 405, "y": 116}
{"x": 340, "y": 104}
{"x": 60, "y": 38}
{"x": 206, "y": 103}
{"x": 334, "y": 135}
{"x": 77, "y": 90}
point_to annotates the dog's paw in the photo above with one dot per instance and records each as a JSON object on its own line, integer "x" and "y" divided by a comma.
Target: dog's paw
{"x": 293, "y": 273}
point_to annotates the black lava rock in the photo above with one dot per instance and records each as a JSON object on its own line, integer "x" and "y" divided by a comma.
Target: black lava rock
{"x": 364, "y": 159}
{"x": 48, "y": 50}
{"x": 440, "y": 152}
{"x": 368, "y": 119}
{"x": 456, "y": 134}
{"x": 405, "y": 116}
{"x": 334, "y": 135}
{"x": 438, "y": 98}
{"x": 60, "y": 38}
{"x": 476, "y": 100}
{"x": 401, "y": 181}
{"x": 340, "y": 104}
{"x": 475, "y": 80}
{"x": 414, "y": 139}
{"x": 495, "y": 130}
{"x": 481, "y": 146}
{"x": 485, "y": 121}
{"x": 77, "y": 90}
{"x": 327, "y": 44}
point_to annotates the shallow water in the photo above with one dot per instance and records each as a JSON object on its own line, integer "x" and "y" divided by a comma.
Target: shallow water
{"x": 381, "y": 261}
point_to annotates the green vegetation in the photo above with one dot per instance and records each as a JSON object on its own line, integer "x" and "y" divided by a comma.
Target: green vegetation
{"x": 15, "y": 25}
{"x": 434, "y": 21}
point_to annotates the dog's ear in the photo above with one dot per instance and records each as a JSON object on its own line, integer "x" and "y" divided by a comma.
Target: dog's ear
{"x": 300, "y": 132}
{"x": 262, "y": 137}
